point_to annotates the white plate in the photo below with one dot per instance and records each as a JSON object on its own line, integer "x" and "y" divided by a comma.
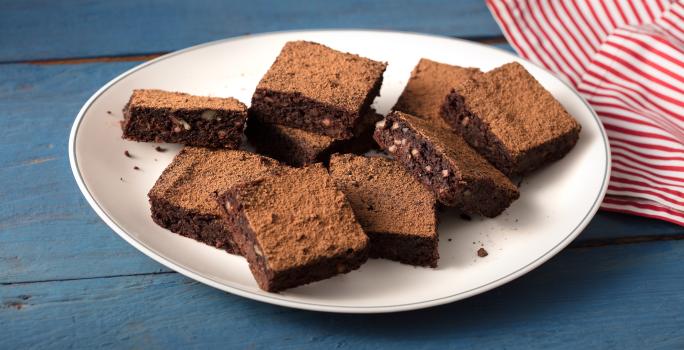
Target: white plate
{"x": 556, "y": 203}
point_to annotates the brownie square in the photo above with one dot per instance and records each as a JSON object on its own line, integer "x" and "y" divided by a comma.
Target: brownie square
{"x": 318, "y": 89}
{"x": 183, "y": 199}
{"x": 443, "y": 161}
{"x": 396, "y": 211}
{"x": 507, "y": 116}
{"x": 297, "y": 147}
{"x": 429, "y": 85}
{"x": 162, "y": 116}
{"x": 294, "y": 228}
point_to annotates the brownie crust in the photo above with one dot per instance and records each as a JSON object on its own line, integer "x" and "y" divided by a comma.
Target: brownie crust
{"x": 395, "y": 210}
{"x": 299, "y": 148}
{"x": 294, "y": 227}
{"x": 446, "y": 164}
{"x": 318, "y": 89}
{"x": 183, "y": 200}
{"x": 174, "y": 117}
{"x": 509, "y": 118}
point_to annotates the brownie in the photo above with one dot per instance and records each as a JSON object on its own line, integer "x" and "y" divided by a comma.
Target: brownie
{"x": 294, "y": 227}
{"x": 315, "y": 88}
{"x": 162, "y": 116}
{"x": 507, "y": 116}
{"x": 395, "y": 210}
{"x": 183, "y": 199}
{"x": 443, "y": 161}
{"x": 298, "y": 147}
{"x": 429, "y": 85}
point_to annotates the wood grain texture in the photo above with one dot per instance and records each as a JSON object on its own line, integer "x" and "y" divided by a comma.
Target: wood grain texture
{"x": 621, "y": 297}
{"x": 48, "y": 231}
{"x": 34, "y": 29}
{"x": 97, "y": 291}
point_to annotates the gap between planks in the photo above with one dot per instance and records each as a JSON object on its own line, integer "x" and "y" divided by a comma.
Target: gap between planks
{"x": 594, "y": 243}
{"x": 150, "y": 56}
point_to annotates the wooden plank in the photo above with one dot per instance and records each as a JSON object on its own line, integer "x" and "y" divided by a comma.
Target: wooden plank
{"x": 48, "y": 231}
{"x": 37, "y": 29}
{"x": 613, "y": 297}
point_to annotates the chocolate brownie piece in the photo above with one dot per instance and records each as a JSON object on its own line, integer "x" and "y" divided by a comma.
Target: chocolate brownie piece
{"x": 183, "y": 199}
{"x": 294, "y": 228}
{"x": 429, "y": 85}
{"x": 298, "y": 147}
{"x": 395, "y": 210}
{"x": 315, "y": 88}
{"x": 507, "y": 116}
{"x": 443, "y": 161}
{"x": 162, "y": 116}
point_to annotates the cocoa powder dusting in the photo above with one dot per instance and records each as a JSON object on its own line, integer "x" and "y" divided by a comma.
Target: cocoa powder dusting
{"x": 322, "y": 74}
{"x": 314, "y": 219}
{"x": 516, "y": 108}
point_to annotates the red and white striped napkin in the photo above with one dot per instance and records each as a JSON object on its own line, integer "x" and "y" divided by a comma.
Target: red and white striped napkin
{"x": 626, "y": 57}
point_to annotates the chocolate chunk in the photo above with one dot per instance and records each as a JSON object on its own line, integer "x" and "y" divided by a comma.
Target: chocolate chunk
{"x": 482, "y": 253}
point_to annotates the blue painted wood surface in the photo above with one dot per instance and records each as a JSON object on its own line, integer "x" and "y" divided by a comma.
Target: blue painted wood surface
{"x": 619, "y": 297}
{"x": 66, "y": 280}
{"x": 125, "y": 27}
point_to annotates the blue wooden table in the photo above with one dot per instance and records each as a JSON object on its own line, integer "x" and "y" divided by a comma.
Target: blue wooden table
{"x": 66, "y": 280}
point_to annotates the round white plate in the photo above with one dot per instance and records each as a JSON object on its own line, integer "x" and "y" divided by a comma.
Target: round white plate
{"x": 555, "y": 204}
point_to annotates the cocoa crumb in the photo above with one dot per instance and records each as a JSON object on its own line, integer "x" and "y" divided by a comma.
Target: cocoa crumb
{"x": 449, "y": 239}
{"x": 136, "y": 168}
{"x": 128, "y": 154}
{"x": 109, "y": 112}
{"x": 482, "y": 253}
{"x": 160, "y": 149}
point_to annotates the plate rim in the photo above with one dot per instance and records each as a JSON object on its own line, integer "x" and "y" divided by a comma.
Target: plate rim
{"x": 276, "y": 299}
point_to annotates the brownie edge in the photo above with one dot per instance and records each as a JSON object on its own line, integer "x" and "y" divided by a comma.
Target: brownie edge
{"x": 299, "y": 147}
{"x": 315, "y": 88}
{"x": 174, "y": 117}
{"x": 445, "y": 163}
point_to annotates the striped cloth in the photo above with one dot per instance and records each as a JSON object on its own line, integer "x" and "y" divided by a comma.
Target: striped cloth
{"x": 626, "y": 57}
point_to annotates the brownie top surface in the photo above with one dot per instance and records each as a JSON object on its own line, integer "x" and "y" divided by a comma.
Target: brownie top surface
{"x": 453, "y": 148}
{"x": 298, "y": 217}
{"x": 428, "y": 87}
{"x": 518, "y": 110}
{"x": 339, "y": 79}
{"x": 195, "y": 174}
{"x": 385, "y": 198}
{"x": 151, "y": 98}
{"x": 317, "y": 142}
